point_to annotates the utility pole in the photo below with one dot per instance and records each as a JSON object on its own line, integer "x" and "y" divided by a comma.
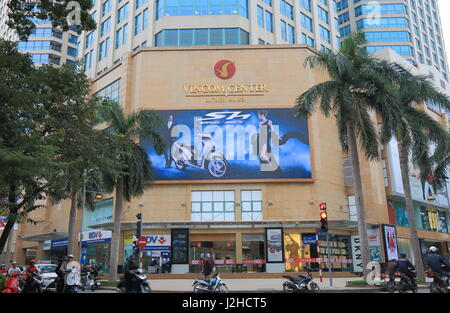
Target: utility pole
{"x": 138, "y": 235}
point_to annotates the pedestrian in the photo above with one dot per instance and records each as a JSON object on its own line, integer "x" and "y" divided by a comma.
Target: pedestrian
{"x": 207, "y": 268}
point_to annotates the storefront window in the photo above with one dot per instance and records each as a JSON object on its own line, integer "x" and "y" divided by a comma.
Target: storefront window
{"x": 401, "y": 215}
{"x": 253, "y": 257}
{"x": 403, "y": 247}
{"x": 98, "y": 254}
{"x": 222, "y": 252}
{"x": 340, "y": 250}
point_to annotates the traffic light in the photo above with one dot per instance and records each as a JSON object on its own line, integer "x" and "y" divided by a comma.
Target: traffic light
{"x": 139, "y": 225}
{"x": 323, "y": 217}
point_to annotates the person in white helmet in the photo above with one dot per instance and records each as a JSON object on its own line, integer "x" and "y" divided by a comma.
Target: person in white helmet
{"x": 437, "y": 263}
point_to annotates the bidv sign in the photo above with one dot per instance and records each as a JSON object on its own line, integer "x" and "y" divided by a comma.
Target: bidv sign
{"x": 158, "y": 240}
{"x": 97, "y": 235}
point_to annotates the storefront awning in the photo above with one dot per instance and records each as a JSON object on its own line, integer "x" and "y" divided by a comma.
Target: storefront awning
{"x": 333, "y": 224}
{"x": 44, "y": 236}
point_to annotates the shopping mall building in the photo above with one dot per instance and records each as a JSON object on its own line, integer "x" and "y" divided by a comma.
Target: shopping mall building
{"x": 244, "y": 176}
{"x": 254, "y": 212}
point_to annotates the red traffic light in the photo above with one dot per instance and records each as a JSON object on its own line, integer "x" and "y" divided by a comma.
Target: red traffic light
{"x": 323, "y": 206}
{"x": 323, "y": 215}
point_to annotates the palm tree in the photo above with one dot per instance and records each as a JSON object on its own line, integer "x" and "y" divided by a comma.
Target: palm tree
{"x": 136, "y": 167}
{"x": 357, "y": 87}
{"x": 417, "y": 133}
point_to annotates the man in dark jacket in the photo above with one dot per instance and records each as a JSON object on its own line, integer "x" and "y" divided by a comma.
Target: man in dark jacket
{"x": 437, "y": 263}
{"x": 406, "y": 268}
{"x": 207, "y": 268}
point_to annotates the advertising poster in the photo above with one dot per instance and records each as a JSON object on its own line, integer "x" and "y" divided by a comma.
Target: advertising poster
{"x": 390, "y": 242}
{"x": 274, "y": 239}
{"x": 374, "y": 241}
{"x": 179, "y": 246}
{"x": 232, "y": 144}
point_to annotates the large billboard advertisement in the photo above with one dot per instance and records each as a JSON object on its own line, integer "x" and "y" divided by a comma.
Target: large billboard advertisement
{"x": 232, "y": 144}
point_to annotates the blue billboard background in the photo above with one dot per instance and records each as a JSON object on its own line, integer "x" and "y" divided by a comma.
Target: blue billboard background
{"x": 291, "y": 152}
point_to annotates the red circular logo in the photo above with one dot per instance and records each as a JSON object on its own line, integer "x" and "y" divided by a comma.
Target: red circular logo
{"x": 224, "y": 69}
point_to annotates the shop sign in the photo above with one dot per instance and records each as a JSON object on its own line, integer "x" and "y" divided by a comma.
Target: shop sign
{"x": 309, "y": 240}
{"x": 47, "y": 245}
{"x": 158, "y": 240}
{"x": 59, "y": 243}
{"x": 374, "y": 242}
{"x": 96, "y": 236}
{"x": 4, "y": 221}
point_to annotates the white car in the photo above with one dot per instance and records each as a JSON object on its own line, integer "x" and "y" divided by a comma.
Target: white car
{"x": 48, "y": 275}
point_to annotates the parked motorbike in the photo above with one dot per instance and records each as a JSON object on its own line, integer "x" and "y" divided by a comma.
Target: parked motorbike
{"x": 211, "y": 160}
{"x": 215, "y": 285}
{"x": 438, "y": 283}
{"x": 72, "y": 281}
{"x": 300, "y": 283}
{"x": 142, "y": 285}
{"x": 12, "y": 284}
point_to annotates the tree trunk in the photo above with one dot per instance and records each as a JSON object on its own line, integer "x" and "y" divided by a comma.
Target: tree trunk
{"x": 72, "y": 222}
{"x": 115, "y": 242}
{"x": 12, "y": 216}
{"x": 415, "y": 245}
{"x": 359, "y": 199}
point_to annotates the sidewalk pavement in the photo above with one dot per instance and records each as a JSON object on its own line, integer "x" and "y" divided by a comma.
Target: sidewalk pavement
{"x": 256, "y": 285}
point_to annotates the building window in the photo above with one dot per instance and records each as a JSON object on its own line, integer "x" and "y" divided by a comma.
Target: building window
{"x": 251, "y": 205}
{"x": 203, "y": 7}
{"x": 110, "y": 92}
{"x": 202, "y": 37}
{"x": 212, "y": 206}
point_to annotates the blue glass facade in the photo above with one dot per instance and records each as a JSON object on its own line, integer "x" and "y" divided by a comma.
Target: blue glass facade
{"x": 202, "y": 37}
{"x": 201, "y": 7}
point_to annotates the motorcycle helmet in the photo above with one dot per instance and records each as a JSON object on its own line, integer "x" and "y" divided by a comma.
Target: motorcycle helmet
{"x": 70, "y": 256}
{"x": 433, "y": 249}
{"x": 32, "y": 261}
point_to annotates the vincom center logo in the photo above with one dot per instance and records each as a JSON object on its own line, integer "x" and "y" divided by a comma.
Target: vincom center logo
{"x": 224, "y": 69}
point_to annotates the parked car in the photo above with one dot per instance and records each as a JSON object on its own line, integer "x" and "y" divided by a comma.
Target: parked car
{"x": 48, "y": 276}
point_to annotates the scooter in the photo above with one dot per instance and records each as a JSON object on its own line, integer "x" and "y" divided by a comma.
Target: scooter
{"x": 211, "y": 160}
{"x": 300, "y": 283}
{"x": 91, "y": 282}
{"x": 72, "y": 281}
{"x": 35, "y": 284}
{"x": 142, "y": 285}
{"x": 12, "y": 284}
{"x": 215, "y": 285}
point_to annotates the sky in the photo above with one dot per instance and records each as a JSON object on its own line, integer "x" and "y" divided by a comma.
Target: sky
{"x": 444, "y": 9}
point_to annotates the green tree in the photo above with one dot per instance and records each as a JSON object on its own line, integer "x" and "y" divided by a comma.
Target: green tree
{"x": 136, "y": 167}
{"x": 421, "y": 140}
{"x": 25, "y": 155}
{"x": 70, "y": 120}
{"x": 22, "y": 14}
{"x": 356, "y": 89}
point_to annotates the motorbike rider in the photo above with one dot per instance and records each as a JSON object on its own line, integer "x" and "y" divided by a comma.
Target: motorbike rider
{"x": 29, "y": 273}
{"x": 3, "y": 269}
{"x": 14, "y": 270}
{"x": 437, "y": 263}
{"x": 405, "y": 267}
{"x": 131, "y": 282}
{"x": 392, "y": 267}
{"x": 85, "y": 271}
